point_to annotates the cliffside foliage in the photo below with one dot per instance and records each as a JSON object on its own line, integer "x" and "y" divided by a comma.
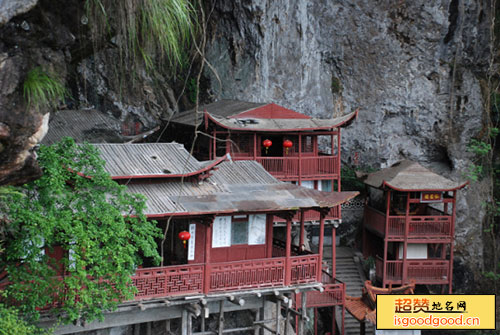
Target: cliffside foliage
{"x": 12, "y": 323}
{"x": 91, "y": 224}
{"x": 42, "y": 89}
{"x": 147, "y": 33}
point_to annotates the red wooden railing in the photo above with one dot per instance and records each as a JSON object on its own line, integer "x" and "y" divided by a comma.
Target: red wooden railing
{"x": 304, "y": 269}
{"x": 333, "y": 294}
{"x": 310, "y": 167}
{"x": 246, "y": 274}
{"x": 168, "y": 281}
{"x": 313, "y": 215}
{"x": 424, "y": 271}
{"x": 423, "y": 226}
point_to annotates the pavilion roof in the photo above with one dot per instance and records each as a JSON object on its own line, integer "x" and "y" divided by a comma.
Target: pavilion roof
{"x": 230, "y": 187}
{"x": 239, "y": 186}
{"x": 239, "y": 115}
{"x": 407, "y": 175}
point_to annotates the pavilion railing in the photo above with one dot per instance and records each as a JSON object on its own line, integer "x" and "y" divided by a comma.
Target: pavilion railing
{"x": 424, "y": 271}
{"x": 246, "y": 274}
{"x": 422, "y": 226}
{"x": 304, "y": 269}
{"x": 333, "y": 293}
{"x": 291, "y": 167}
{"x": 168, "y": 281}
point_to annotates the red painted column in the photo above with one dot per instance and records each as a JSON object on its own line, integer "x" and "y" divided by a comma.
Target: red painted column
{"x": 288, "y": 252}
{"x": 300, "y": 159}
{"x": 334, "y": 231}
{"x": 269, "y": 235}
{"x": 254, "y": 146}
{"x": 405, "y": 243}
{"x": 452, "y": 238}
{"x": 320, "y": 244}
{"x": 302, "y": 228}
{"x": 386, "y": 244}
{"x": 208, "y": 247}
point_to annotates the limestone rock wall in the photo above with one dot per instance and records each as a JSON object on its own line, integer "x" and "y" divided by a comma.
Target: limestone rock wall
{"x": 415, "y": 69}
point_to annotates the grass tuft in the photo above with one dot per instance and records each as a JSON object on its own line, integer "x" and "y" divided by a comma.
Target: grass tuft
{"x": 43, "y": 90}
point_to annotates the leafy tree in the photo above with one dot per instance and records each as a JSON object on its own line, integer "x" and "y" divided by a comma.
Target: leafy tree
{"x": 100, "y": 228}
{"x": 11, "y": 323}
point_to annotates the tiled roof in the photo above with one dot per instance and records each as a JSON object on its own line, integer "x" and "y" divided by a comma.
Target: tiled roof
{"x": 410, "y": 176}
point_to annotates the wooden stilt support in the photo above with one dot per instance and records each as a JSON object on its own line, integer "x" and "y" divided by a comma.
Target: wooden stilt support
{"x": 257, "y": 318}
{"x": 184, "y": 322}
{"x": 362, "y": 328}
{"x": 278, "y": 317}
{"x": 167, "y": 326}
{"x": 137, "y": 329}
{"x": 221, "y": 317}
{"x": 287, "y": 317}
{"x": 315, "y": 321}
{"x": 148, "y": 328}
{"x": 303, "y": 317}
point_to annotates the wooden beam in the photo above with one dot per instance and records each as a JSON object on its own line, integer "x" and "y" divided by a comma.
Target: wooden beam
{"x": 288, "y": 252}
{"x": 320, "y": 245}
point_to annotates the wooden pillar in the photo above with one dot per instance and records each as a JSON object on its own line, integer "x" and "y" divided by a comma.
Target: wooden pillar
{"x": 148, "y": 328}
{"x": 320, "y": 244}
{"x": 137, "y": 329}
{"x": 208, "y": 247}
{"x": 278, "y": 317}
{"x": 300, "y": 159}
{"x": 184, "y": 322}
{"x": 315, "y": 321}
{"x": 288, "y": 251}
{"x": 257, "y": 318}
{"x": 452, "y": 239}
{"x": 302, "y": 228}
{"x": 338, "y": 159}
{"x": 269, "y": 235}
{"x": 254, "y": 146}
{"x": 333, "y": 321}
{"x": 334, "y": 247}
{"x": 386, "y": 244}
{"x": 405, "y": 243}
{"x": 303, "y": 309}
{"x": 221, "y": 317}
{"x": 214, "y": 149}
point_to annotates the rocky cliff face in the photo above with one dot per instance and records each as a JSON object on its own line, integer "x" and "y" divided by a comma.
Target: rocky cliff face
{"x": 415, "y": 70}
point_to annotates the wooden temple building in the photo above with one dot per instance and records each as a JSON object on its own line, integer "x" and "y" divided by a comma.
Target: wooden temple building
{"x": 409, "y": 225}
{"x": 235, "y": 257}
{"x": 286, "y": 143}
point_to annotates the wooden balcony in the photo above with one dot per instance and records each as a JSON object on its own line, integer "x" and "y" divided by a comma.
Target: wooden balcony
{"x": 291, "y": 167}
{"x": 180, "y": 280}
{"x": 419, "y": 227}
{"x": 424, "y": 271}
{"x": 313, "y": 215}
{"x": 333, "y": 294}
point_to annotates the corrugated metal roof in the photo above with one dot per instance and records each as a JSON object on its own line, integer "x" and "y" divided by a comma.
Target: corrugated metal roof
{"x": 242, "y": 186}
{"x": 83, "y": 125}
{"x": 223, "y": 108}
{"x": 410, "y": 176}
{"x": 281, "y": 124}
{"x": 147, "y": 159}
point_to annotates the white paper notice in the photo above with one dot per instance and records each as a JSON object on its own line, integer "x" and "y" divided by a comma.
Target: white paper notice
{"x": 257, "y": 229}
{"x": 221, "y": 234}
{"x": 192, "y": 241}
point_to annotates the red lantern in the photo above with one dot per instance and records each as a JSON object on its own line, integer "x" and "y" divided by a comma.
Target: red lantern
{"x": 184, "y": 236}
{"x": 267, "y": 143}
{"x": 287, "y": 144}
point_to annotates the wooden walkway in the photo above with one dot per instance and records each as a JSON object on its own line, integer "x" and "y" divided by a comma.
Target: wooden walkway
{"x": 349, "y": 271}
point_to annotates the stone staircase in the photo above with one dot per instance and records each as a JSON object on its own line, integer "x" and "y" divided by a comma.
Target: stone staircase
{"x": 350, "y": 272}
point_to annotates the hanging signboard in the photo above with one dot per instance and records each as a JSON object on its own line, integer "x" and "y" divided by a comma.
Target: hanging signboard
{"x": 257, "y": 229}
{"x": 221, "y": 233}
{"x": 192, "y": 241}
{"x": 431, "y": 196}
